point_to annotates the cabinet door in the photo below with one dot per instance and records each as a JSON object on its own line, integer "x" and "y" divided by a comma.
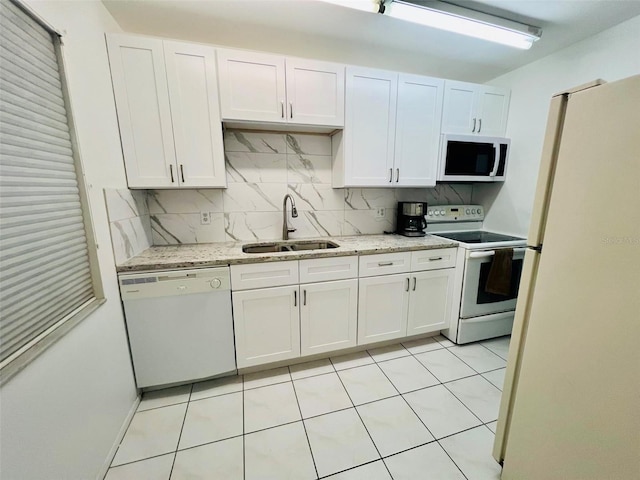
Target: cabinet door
{"x": 382, "y": 308}
{"x": 328, "y": 316}
{"x": 418, "y": 130}
{"x": 252, "y": 86}
{"x": 459, "y": 112}
{"x": 267, "y": 325}
{"x": 315, "y": 92}
{"x": 370, "y": 126}
{"x": 430, "y": 302}
{"x": 195, "y": 114}
{"x": 493, "y": 109}
{"x": 144, "y": 116}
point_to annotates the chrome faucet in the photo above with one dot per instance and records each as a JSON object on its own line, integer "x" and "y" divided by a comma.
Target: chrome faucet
{"x": 294, "y": 213}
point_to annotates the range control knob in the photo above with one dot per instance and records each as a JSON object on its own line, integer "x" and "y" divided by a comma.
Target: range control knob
{"x": 479, "y": 211}
{"x": 442, "y": 212}
{"x": 468, "y": 211}
{"x": 436, "y": 213}
{"x": 473, "y": 211}
{"x": 215, "y": 283}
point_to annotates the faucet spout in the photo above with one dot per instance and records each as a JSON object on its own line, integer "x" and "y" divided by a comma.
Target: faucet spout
{"x": 294, "y": 213}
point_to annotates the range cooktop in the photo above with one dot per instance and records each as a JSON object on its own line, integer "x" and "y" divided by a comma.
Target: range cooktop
{"x": 478, "y": 236}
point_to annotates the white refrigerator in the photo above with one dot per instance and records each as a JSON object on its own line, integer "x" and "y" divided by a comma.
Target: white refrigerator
{"x": 570, "y": 408}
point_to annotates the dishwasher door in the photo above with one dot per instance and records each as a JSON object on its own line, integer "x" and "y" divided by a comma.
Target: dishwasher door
{"x": 180, "y": 325}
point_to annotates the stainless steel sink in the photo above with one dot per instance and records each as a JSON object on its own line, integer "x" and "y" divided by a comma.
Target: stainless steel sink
{"x": 288, "y": 246}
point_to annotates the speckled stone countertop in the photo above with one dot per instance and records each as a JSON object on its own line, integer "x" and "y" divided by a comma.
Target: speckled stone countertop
{"x": 230, "y": 253}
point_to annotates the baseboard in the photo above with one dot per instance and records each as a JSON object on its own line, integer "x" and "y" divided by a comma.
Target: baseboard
{"x": 114, "y": 448}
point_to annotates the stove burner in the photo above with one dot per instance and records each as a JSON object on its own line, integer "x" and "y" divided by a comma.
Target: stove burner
{"x": 477, "y": 237}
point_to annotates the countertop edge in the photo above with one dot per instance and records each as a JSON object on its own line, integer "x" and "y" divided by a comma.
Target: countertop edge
{"x": 244, "y": 258}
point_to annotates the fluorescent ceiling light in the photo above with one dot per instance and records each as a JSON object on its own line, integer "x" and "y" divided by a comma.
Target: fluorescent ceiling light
{"x": 465, "y": 22}
{"x": 372, "y": 6}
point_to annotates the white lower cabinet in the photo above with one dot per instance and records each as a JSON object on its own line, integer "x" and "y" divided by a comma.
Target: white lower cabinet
{"x": 328, "y": 316}
{"x": 430, "y": 301}
{"x": 267, "y": 325}
{"x": 409, "y": 303}
{"x": 382, "y": 308}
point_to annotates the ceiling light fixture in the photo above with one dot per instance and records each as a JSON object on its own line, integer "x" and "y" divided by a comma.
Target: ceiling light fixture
{"x": 465, "y": 22}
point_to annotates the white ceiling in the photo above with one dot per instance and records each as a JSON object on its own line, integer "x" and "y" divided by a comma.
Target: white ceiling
{"x": 352, "y": 36}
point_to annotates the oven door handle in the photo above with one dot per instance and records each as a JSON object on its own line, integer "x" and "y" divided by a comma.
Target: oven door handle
{"x": 491, "y": 253}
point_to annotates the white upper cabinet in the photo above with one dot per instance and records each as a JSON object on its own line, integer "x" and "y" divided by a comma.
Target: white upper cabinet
{"x": 195, "y": 111}
{"x": 257, "y": 87}
{"x": 168, "y": 113}
{"x": 315, "y": 92}
{"x": 470, "y": 108}
{"x": 252, "y": 86}
{"x": 370, "y": 125}
{"x": 144, "y": 115}
{"x": 418, "y": 130}
{"x": 391, "y": 133}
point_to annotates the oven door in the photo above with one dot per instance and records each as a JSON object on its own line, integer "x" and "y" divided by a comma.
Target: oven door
{"x": 475, "y": 300}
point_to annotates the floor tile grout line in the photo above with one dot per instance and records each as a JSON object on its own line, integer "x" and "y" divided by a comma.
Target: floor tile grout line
{"x": 451, "y": 458}
{"x": 306, "y": 434}
{"x": 474, "y": 369}
{"x": 351, "y": 468}
{"x": 244, "y": 435}
{"x": 184, "y": 419}
{"x": 142, "y": 459}
{"x": 409, "y": 405}
{"x": 464, "y": 404}
{"x": 161, "y": 406}
{"x": 362, "y": 421}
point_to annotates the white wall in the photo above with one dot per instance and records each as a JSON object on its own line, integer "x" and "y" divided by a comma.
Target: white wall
{"x": 611, "y": 55}
{"x": 62, "y": 413}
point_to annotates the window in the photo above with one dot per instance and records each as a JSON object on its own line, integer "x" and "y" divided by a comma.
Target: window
{"x": 48, "y": 271}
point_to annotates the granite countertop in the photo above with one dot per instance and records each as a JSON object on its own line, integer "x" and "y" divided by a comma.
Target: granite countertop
{"x": 230, "y": 253}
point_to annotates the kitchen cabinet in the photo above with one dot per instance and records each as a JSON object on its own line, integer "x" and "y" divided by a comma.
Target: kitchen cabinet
{"x": 392, "y": 128}
{"x": 382, "y": 308}
{"x": 475, "y": 109}
{"x": 417, "y": 130}
{"x": 407, "y": 303}
{"x": 276, "y": 318}
{"x": 168, "y": 112}
{"x": 257, "y": 87}
{"x": 328, "y": 316}
{"x": 430, "y": 301}
{"x": 266, "y": 324}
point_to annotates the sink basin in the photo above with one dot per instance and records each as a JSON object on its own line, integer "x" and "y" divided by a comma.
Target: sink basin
{"x": 288, "y": 246}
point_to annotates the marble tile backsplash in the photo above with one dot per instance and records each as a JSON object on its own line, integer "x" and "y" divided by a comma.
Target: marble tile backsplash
{"x": 129, "y": 222}
{"x": 261, "y": 169}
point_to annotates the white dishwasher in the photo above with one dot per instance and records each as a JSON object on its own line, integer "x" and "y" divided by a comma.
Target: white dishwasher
{"x": 179, "y": 324}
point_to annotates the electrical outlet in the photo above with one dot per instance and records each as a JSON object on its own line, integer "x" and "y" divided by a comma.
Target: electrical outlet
{"x": 205, "y": 218}
{"x": 380, "y": 212}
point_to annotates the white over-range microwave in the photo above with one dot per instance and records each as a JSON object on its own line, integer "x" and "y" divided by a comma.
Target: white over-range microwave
{"x": 473, "y": 158}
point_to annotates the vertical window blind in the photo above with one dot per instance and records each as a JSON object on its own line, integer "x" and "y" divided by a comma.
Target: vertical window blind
{"x": 45, "y": 270}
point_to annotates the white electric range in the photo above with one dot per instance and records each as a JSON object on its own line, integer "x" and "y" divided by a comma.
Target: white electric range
{"x": 477, "y": 314}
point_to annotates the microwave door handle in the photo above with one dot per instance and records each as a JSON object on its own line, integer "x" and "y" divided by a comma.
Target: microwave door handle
{"x": 496, "y": 160}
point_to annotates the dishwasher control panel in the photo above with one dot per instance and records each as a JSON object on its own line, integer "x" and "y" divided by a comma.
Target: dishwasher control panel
{"x": 175, "y": 282}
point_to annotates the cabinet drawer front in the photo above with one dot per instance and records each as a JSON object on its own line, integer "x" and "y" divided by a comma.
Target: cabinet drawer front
{"x": 433, "y": 259}
{"x": 384, "y": 264}
{"x": 261, "y": 275}
{"x": 327, "y": 269}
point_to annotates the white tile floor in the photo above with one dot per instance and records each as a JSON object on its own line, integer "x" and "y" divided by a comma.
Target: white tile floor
{"x": 423, "y": 409}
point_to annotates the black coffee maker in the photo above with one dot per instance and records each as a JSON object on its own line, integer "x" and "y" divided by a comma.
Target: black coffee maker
{"x": 410, "y": 220}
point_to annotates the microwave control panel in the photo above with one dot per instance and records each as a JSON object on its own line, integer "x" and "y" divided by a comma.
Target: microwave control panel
{"x": 455, "y": 213}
